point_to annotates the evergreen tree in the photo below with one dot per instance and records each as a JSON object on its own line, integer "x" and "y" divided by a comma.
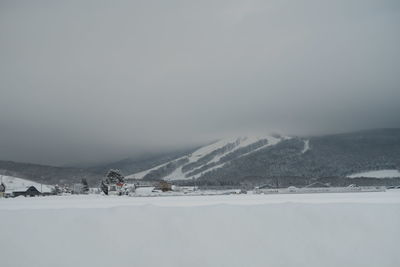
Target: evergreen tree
{"x": 114, "y": 176}
{"x": 57, "y": 190}
{"x": 104, "y": 187}
{"x": 2, "y": 187}
{"x": 85, "y": 186}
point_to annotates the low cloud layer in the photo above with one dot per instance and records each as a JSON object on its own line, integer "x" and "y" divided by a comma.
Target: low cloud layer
{"x": 100, "y": 80}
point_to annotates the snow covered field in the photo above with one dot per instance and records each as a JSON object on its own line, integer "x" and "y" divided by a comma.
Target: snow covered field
{"x": 350, "y": 229}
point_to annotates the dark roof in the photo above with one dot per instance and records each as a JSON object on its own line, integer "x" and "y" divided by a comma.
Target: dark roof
{"x": 30, "y": 189}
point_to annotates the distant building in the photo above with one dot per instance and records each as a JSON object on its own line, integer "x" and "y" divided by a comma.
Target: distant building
{"x": 184, "y": 189}
{"x": 140, "y": 182}
{"x": 317, "y": 185}
{"x": 31, "y": 191}
{"x": 292, "y": 189}
{"x": 163, "y": 186}
{"x": 77, "y": 189}
{"x": 266, "y": 186}
{"x": 116, "y": 189}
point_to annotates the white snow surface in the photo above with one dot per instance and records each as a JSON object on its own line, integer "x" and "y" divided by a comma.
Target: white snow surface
{"x": 239, "y": 142}
{"x": 18, "y": 184}
{"x": 377, "y": 174}
{"x": 351, "y": 229}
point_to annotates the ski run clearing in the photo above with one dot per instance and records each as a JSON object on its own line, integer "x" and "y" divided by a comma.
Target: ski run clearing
{"x": 306, "y": 146}
{"x": 313, "y": 230}
{"x": 217, "y": 151}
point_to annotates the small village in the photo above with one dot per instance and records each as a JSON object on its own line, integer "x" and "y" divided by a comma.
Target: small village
{"x": 115, "y": 184}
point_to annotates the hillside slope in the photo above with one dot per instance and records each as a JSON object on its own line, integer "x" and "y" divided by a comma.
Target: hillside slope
{"x": 47, "y": 174}
{"x": 208, "y": 158}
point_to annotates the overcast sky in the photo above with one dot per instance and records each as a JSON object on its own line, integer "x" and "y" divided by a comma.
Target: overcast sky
{"x": 99, "y": 80}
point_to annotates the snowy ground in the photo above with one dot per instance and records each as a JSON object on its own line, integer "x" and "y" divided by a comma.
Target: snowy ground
{"x": 349, "y": 229}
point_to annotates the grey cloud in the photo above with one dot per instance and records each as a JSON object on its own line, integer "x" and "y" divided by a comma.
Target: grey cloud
{"x": 96, "y": 80}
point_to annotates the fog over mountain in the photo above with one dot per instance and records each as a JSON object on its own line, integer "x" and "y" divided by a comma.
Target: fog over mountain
{"x": 92, "y": 81}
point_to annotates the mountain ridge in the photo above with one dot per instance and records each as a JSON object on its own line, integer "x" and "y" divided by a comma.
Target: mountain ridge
{"x": 239, "y": 159}
{"x": 334, "y": 155}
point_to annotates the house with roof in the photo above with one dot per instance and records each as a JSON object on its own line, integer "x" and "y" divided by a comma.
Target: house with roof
{"x": 15, "y": 186}
{"x": 30, "y": 191}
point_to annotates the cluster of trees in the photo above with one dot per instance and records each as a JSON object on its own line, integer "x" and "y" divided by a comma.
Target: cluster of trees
{"x": 47, "y": 174}
{"x": 2, "y": 188}
{"x": 85, "y": 186}
{"x": 113, "y": 177}
{"x": 250, "y": 182}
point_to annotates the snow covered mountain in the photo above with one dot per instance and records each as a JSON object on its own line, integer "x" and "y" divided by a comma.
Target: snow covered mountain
{"x": 247, "y": 161}
{"x": 291, "y": 160}
{"x": 210, "y": 157}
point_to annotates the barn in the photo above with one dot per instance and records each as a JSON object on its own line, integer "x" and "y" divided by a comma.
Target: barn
{"x": 30, "y": 191}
